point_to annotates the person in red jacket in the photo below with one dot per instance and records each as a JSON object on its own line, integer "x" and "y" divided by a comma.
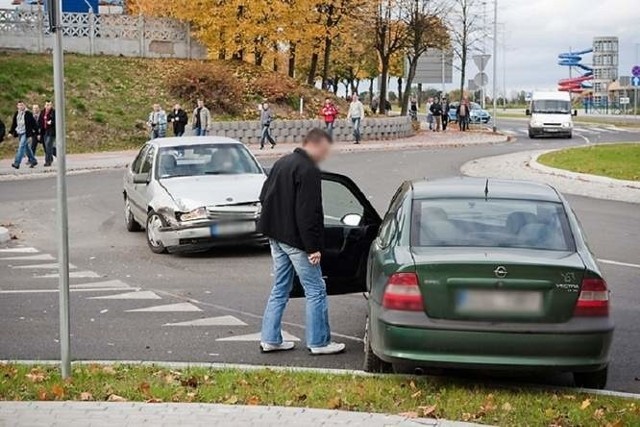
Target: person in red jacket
{"x": 329, "y": 112}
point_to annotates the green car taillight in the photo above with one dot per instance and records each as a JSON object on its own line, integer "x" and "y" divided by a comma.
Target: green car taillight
{"x": 593, "y": 299}
{"x": 403, "y": 293}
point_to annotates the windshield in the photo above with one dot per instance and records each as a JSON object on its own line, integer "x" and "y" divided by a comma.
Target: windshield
{"x": 502, "y": 223}
{"x": 549, "y": 106}
{"x": 205, "y": 159}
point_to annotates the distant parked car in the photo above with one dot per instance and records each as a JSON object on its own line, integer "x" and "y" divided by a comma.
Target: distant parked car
{"x": 192, "y": 193}
{"x": 476, "y": 115}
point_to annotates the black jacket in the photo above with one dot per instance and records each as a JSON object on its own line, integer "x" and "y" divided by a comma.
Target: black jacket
{"x": 50, "y": 128}
{"x": 291, "y": 200}
{"x": 181, "y": 120}
{"x": 30, "y": 125}
{"x": 436, "y": 109}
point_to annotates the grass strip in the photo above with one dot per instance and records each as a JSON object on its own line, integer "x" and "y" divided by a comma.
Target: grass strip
{"x": 620, "y": 161}
{"x": 410, "y": 396}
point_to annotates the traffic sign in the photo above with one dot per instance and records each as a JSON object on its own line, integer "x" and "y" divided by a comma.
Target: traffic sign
{"x": 481, "y": 61}
{"x": 635, "y": 81}
{"x": 481, "y": 79}
{"x": 624, "y": 100}
{"x": 635, "y": 71}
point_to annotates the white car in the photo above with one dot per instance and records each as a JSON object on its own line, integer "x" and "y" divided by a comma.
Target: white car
{"x": 192, "y": 193}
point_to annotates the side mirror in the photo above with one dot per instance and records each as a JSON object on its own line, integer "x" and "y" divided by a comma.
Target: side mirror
{"x": 575, "y": 113}
{"x": 141, "y": 178}
{"x": 527, "y": 112}
{"x": 351, "y": 220}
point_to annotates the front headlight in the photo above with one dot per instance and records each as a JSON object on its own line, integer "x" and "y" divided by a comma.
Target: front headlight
{"x": 536, "y": 124}
{"x": 199, "y": 213}
{"x": 566, "y": 124}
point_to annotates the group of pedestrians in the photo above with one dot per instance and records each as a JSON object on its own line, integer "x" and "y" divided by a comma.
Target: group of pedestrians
{"x": 438, "y": 114}
{"x": 330, "y": 113}
{"x": 32, "y": 128}
{"x": 158, "y": 120}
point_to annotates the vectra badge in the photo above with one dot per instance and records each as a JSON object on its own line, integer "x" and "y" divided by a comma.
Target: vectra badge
{"x": 500, "y": 272}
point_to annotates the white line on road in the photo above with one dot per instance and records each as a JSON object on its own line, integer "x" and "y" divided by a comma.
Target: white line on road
{"x": 623, "y": 264}
{"x": 48, "y": 291}
{"x": 131, "y": 295}
{"x": 179, "y": 307}
{"x": 19, "y": 250}
{"x": 257, "y": 337}
{"x": 52, "y": 266}
{"x": 41, "y": 257}
{"x": 113, "y": 284}
{"x": 211, "y": 321}
{"x": 73, "y": 275}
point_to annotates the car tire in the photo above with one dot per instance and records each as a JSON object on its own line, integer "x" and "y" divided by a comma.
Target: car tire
{"x": 154, "y": 221}
{"x": 372, "y": 363}
{"x": 570, "y": 135}
{"x": 594, "y": 379}
{"x": 129, "y": 221}
{"x": 531, "y": 135}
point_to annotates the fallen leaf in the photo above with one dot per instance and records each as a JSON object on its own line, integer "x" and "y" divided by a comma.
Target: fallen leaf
{"x": 144, "y": 388}
{"x": 617, "y": 423}
{"x": 35, "y": 376}
{"x": 169, "y": 379}
{"x": 288, "y": 403}
{"x": 153, "y": 400}
{"x": 409, "y": 414}
{"x": 334, "y": 403}
{"x": 85, "y": 395}
{"x": 416, "y": 394}
{"x": 231, "y": 400}
{"x": 585, "y": 404}
{"x": 43, "y": 395}
{"x": 253, "y": 400}
{"x": 301, "y": 397}
{"x": 427, "y": 410}
{"x": 598, "y": 413}
{"x": 108, "y": 369}
{"x": 58, "y": 391}
{"x": 506, "y": 406}
{"x": 190, "y": 382}
{"x": 115, "y": 398}
{"x": 412, "y": 385}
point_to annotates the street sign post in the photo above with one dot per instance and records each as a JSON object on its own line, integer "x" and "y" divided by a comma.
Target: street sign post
{"x": 55, "y": 25}
{"x": 635, "y": 82}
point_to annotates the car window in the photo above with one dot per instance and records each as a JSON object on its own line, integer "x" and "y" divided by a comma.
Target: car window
{"x": 337, "y": 202}
{"x": 491, "y": 223}
{"x": 135, "y": 166}
{"x": 148, "y": 161}
{"x": 205, "y": 159}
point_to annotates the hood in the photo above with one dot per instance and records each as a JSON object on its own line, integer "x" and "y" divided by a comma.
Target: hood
{"x": 550, "y": 118}
{"x": 191, "y": 192}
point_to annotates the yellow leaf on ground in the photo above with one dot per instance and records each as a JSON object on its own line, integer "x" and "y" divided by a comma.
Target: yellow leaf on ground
{"x": 253, "y": 400}
{"x": 153, "y": 400}
{"x": 108, "y": 369}
{"x": 334, "y": 403}
{"x": 412, "y": 385}
{"x": 506, "y": 406}
{"x": 144, "y": 388}
{"x": 598, "y": 413}
{"x": 42, "y": 394}
{"x": 232, "y": 400}
{"x": 35, "y": 376}
{"x": 410, "y": 414}
{"x": 427, "y": 410}
{"x": 58, "y": 391}
{"x": 585, "y": 404}
{"x": 85, "y": 395}
{"x": 416, "y": 394}
{"x": 115, "y": 398}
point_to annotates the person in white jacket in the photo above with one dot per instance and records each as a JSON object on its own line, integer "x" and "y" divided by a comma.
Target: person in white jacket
{"x": 356, "y": 114}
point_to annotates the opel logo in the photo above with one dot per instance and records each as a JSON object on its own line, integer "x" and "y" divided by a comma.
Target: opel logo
{"x": 500, "y": 272}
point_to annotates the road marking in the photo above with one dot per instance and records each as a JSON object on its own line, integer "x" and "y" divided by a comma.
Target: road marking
{"x": 623, "y": 264}
{"x": 73, "y": 275}
{"x": 113, "y": 284}
{"x": 19, "y": 250}
{"x": 257, "y": 337}
{"x": 52, "y": 266}
{"x": 585, "y": 130}
{"x": 47, "y": 291}
{"x": 41, "y": 257}
{"x": 179, "y": 307}
{"x": 131, "y": 295}
{"x": 211, "y": 321}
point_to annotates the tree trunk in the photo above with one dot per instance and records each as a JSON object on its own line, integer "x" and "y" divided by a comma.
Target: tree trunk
{"x": 384, "y": 79}
{"x": 371, "y": 89}
{"x": 411, "y": 74}
{"x": 463, "y": 67}
{"x": 356, "y": 88}
{"x": 326, "y": 58}
{"x": 313, "y": 68}
{"x": 400, "y": 89}
{"x": 292, "y": 60}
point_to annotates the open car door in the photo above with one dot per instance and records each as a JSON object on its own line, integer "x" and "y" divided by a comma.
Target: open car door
{"x": 350, "y": 226}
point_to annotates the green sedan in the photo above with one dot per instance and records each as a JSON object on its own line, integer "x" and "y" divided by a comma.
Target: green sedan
{"x": 470, "y": 273}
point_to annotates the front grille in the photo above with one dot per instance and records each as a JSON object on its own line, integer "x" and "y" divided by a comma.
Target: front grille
{"x": 232, "y": 213}
{"x": 552, "y": 124}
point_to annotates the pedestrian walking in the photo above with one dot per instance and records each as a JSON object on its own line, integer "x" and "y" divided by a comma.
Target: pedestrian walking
{"x": 445, "y": 114}
{"x": 429, "y": 113}
{"x": 178, "y": 119}
{"x": 3, "y": 130}
{"x": 356, "y": 114}
{"x": 293, "y": 219}
{"x": 329, "y": 112}
{"x": 36, "y": 138}
{"x": 201, "y": 119}
{"x": 436, "y": 111}
{"x": 266, "y": 117}
{"x": 23, "y": 126}
{"x": 413, "y": 109}
{"x": 157, "y": 122}
{"x": 47, "y": 127}
{"x": 462, "y": 112}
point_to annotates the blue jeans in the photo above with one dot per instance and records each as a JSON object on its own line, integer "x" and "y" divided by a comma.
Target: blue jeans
{"x": 49, "y": 148}
{"x": 356, "y": 128}
{"x": 24, "y": 148}
{"x": 329, "y": 127}
{"x": 266, "y": 136}
{"x": 199, "y": 131}
{"x": 288, "y": 261}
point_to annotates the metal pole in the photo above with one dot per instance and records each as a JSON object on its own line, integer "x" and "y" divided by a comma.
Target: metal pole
{"x": 443, "y": 69}
{"x": 61, "y": 211}
{"x": 495, "y": 65}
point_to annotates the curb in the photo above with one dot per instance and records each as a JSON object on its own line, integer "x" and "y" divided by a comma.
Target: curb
{"x": 535, "y": 165}
{"x": 4, "y": 235}
{"x": 350, "y": 372}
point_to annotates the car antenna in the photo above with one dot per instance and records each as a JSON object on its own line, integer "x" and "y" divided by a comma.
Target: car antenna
{"x": 486, "y": 189}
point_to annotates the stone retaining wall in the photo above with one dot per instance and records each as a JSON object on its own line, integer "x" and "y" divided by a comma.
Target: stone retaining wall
{"x": 293, "y": 131}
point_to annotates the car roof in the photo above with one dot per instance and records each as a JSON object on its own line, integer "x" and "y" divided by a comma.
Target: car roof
{"x": 463, "y": 187}
{"x": 192, "y": 140}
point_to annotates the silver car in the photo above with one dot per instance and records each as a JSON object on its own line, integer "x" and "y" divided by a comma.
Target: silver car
{"x": 192, "y": 193}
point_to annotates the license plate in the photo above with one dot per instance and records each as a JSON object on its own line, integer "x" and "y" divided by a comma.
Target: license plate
{"x": 230, "y": 228}
{"x": 498, "y": 302}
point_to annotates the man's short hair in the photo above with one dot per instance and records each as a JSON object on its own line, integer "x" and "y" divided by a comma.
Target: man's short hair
{"x": 316, "y": 135}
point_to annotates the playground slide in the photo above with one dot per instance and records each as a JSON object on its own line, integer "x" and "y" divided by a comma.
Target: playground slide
{"x": 573, "y": 60}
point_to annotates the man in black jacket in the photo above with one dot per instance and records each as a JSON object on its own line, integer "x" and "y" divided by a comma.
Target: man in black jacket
{"x": 48, "y": 131}
{"x": 178, "y": 118}
{"x": 23, "y": 127}
{"x": 293, "y": 219}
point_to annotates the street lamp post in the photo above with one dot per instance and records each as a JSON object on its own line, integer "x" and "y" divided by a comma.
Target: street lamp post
{"x": 495, "y": 64}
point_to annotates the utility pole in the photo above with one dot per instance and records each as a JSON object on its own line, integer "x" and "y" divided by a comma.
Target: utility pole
{"x": 55, "y": 24}
{"x": 495, "y": 65}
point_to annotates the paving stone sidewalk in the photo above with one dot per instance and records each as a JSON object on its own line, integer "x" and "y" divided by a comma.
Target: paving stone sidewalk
{"x": 80, "y": 163}
{"x": 85, "y": 414}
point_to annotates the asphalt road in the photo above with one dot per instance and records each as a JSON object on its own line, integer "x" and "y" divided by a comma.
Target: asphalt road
{"x": 228, "y": 286}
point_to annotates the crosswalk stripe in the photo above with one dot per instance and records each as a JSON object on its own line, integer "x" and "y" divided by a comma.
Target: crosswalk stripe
{"x": 52, "y": 266}
{"x": 585, "y": 130}
{"x": 19, "y": 250}
{"x": 211, "y": 321}
{"x": 72, "y": 275}
{"x": 40, "y": 257}
{"x": 130, "y": 295}
{"x": 46, "y": 291}
{"x": 107, "y": 284}
{"x": 257, "y": 337}
{"x": 179, "y": 307}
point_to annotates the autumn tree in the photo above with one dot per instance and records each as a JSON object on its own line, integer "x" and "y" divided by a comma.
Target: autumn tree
{"x": 465, "y": 31}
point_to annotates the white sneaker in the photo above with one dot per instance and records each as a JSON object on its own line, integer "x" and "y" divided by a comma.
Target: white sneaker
{"x": 331, "y": 348}
{"x": 285, "y": 345}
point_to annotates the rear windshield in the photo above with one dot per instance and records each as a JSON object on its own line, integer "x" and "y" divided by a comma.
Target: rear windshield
{"x": 503, "y": 223}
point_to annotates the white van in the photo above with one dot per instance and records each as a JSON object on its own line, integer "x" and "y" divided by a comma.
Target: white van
{"x": 551, "y": 114}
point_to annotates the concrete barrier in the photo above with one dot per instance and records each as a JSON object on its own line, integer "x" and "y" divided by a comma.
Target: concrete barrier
{"x": 293, "y": 131}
